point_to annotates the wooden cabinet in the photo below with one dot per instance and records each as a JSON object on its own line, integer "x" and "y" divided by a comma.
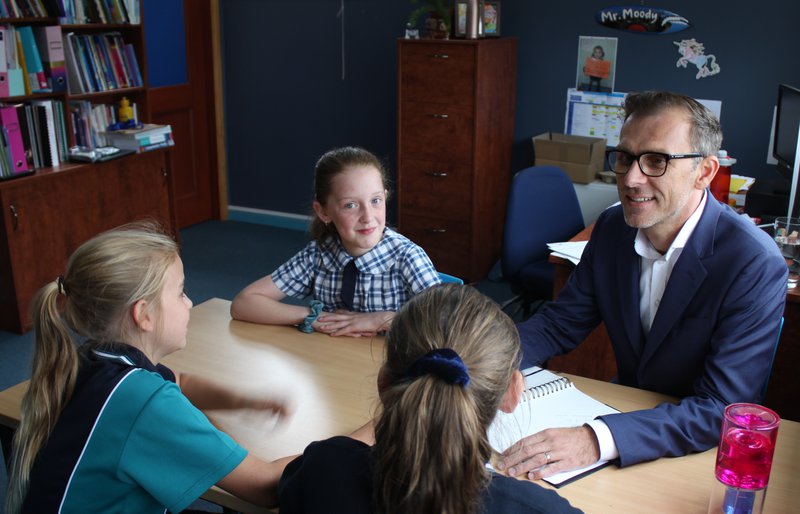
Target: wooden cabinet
{"x": 45, "y": 217}
{"x": 455, "y": 132}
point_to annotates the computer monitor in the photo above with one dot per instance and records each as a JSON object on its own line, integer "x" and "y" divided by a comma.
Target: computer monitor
{"x": 786, "y": 145}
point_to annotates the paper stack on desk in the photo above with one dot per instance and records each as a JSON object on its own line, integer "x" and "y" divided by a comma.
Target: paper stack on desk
{"x": 570, "y": 250}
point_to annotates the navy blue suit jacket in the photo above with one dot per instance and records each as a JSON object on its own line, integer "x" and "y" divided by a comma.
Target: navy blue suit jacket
{"x": 712, "y": 339}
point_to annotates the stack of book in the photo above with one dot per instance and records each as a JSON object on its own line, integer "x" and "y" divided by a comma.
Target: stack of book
{"x": 31, "y": 8}
{"x": 33, "y": 136}
{"x": 99, "y": 11}
{"x": 31, "y": 60}
{"x": 148, "y": 137}
{"x": 100, "y": 62}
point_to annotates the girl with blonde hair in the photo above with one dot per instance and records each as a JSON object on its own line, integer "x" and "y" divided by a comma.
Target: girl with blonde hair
{"x": 104, "y": 426}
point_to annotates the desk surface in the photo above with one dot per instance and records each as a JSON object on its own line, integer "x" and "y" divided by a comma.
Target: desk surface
{"x": 332, "y": 383}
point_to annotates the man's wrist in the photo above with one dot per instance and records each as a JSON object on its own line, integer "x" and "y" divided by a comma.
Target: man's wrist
{"x": 605, "y": 439}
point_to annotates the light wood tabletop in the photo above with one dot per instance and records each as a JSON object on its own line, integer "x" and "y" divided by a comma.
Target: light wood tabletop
{"x": 331, "y": 382}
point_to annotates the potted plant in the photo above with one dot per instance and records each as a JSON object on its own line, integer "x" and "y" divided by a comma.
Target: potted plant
{"x": 436, "y": 15}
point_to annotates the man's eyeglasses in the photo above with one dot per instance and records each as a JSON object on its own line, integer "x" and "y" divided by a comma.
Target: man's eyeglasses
{"x": 652, "y": 164}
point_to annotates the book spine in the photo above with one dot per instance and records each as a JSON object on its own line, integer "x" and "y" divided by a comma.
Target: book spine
{"x": 133, "y": 65}
{"x": 3, "y": 64}
{"x": 33, "y": 60}
{"x": 52, "y": 50}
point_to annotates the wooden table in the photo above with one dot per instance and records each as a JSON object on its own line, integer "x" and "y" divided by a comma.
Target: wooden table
{"x": 332, "y": 383}
{"x": 594, "y": 358}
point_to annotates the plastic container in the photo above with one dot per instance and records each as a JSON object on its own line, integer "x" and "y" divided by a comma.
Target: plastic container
{"x": 744, "y": 459}
{"x": 721, "y": 184}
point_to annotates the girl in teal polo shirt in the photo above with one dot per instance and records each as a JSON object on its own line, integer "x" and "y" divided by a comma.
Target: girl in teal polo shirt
{"x": 104, "y": 427}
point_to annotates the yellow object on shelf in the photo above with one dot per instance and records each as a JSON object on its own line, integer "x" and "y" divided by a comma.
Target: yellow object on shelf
{"x": 738, "y": 189}
{"x": 125, "y": 110}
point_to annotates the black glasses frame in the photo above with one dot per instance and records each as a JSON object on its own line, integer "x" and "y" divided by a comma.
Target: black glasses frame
{"x": 667, "y": 157}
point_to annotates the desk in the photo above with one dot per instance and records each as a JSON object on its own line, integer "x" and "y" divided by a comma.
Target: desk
{"x": 333, "y": 381}
{"x": 330, "y": 382}
{"x": 594, "y": 358}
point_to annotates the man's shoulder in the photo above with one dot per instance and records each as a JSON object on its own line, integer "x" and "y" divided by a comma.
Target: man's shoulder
{"x": 738, "y": 235}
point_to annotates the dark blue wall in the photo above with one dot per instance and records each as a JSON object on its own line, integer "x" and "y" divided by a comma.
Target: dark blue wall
{"x": 286, "y": 101}
{"x": 756, "y": 44}
{"x": 165, "y": 42}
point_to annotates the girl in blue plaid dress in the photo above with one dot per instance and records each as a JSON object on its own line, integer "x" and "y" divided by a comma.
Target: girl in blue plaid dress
{"x": 357, "y": 271}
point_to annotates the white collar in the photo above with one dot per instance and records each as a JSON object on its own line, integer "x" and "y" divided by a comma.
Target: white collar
{"x": 645, "y": 248}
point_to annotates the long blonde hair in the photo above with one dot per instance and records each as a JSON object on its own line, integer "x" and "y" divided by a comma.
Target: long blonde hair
{"x": 104, "y": 278}
{"x": 431, "y": 444}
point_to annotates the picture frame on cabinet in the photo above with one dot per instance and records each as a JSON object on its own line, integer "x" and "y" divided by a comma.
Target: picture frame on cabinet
{"x": 491, "y": 18}
{"x": 460, "y": 22}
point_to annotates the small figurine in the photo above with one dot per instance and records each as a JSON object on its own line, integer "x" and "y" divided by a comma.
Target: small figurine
{"x": 125, "y": 110}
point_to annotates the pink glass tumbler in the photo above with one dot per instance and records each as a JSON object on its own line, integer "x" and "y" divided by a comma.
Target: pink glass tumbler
{"x": 744, "y": 459}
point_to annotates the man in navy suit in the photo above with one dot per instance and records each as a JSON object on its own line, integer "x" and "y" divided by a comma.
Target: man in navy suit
{"x": 690, "y": 292}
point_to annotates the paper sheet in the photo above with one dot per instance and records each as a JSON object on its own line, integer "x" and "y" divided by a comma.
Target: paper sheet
{"x": 570, "y": 250}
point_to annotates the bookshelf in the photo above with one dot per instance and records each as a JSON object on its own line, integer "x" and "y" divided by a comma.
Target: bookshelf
{"x": 47, "y": 213}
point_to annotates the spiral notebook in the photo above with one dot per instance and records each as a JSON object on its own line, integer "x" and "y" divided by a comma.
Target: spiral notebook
{"x": 548, "y": 401}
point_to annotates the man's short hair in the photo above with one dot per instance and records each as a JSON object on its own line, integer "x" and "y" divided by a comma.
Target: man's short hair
{"x": 705, "y": 134}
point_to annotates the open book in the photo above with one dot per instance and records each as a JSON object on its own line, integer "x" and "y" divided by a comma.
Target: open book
{"x": 548, "y": 401}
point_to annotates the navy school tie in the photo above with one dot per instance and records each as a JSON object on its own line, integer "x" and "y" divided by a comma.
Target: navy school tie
{"x": 349, "y": 284}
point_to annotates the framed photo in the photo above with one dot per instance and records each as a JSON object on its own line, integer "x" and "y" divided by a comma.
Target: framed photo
{"x": 596, "y": 66}
{"x": 491, "y": 19}
{"x": 460, "y": 15}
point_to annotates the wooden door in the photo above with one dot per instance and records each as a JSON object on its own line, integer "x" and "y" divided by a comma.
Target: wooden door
{"x": 189, "y": 108}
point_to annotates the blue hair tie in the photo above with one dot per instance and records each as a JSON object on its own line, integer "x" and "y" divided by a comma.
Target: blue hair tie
{"x": 316, "y": 310}
{"x": 443, "y": 363}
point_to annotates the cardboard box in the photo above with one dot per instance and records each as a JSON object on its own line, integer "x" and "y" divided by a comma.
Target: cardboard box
{"x": 580, "y": 157}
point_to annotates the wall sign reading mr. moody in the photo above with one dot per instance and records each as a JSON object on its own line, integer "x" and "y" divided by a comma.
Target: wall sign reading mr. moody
{"x": 638, "y": 18}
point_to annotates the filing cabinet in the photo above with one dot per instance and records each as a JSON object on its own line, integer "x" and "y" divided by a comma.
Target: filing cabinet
{"x": 456, "y": 104}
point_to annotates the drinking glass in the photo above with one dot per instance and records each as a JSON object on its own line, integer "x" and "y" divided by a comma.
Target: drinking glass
{"x": 744, "y": 459}
{"x": 786, "y": 233}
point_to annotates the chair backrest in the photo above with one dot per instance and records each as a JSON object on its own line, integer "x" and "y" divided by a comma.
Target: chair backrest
{"x": 774, "y": 352}
{"x": 542, "y": 208}
{"x": 449, "y": 278}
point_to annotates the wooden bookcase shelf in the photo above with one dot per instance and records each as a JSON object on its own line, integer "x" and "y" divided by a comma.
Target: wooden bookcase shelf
{"x": 45, "y": 216}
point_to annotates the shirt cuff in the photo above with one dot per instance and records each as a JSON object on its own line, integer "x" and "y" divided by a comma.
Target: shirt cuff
{"x": 608, "y": 448}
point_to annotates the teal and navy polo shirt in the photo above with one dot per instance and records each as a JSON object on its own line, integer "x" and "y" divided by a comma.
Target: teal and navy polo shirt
{"x": 128, "y": 441}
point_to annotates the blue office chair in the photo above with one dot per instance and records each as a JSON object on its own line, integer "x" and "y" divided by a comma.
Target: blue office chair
{"x": 769, "y": 371}
{"x": 542, "y": 208}
{"x": 449, "y": 279}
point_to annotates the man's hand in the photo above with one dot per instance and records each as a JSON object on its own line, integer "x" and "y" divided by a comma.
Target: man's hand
{"x": 551, "y": 451}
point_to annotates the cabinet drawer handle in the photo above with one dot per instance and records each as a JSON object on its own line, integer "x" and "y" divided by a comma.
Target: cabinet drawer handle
{"x": 440, "y": 56}
{"x": 437, "y": 230}
{"x": 436, "y": 173}
{"x": 14, "y": 217}
{"x": 439, "y": 116}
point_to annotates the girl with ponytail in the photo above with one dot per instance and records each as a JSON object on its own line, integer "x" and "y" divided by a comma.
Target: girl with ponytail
{"x": 104, "y": 427}
{"x": 452, "y": 359}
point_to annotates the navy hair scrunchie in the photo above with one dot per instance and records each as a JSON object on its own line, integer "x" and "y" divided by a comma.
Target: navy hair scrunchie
{"x": 442, "y": 362}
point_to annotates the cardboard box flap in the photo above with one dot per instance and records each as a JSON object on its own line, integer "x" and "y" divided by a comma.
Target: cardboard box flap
{"x": 567, "y": 148}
